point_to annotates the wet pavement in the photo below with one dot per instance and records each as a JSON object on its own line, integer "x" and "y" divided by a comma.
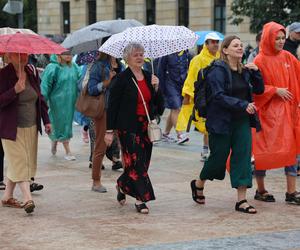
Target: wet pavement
{"x": 69, "y": 215}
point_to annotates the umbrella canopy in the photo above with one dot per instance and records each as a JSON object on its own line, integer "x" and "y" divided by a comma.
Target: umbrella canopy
{"x": 158, "y": 40}
{"x": 203, "y": 33}
{"x": 28, "y": 44}
{"x": 8, "y": 30}
{"x": 89, "y": 38}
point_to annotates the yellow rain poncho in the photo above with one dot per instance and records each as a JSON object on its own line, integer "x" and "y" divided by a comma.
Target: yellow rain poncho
{"x": 197, "y": 63}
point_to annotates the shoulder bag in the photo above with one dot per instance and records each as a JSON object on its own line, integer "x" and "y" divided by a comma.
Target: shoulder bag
{"x": 90, "y": 106}
{"x": 154, "y": 131}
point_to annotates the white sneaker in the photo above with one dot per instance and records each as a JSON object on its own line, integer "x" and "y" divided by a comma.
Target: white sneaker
{"x": 84, "y": 136}
{"x": 182, "y": 138}
{"x": 70, "y": 157}
{"x": 167, "y": 138}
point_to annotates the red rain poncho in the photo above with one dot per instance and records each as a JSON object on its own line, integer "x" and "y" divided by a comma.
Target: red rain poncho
{"x": 276, "y": 145}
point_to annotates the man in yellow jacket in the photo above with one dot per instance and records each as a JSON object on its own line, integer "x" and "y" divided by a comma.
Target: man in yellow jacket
{"x": 209, "y": 53}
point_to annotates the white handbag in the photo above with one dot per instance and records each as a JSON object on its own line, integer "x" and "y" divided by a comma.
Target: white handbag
{"x": 154, "y": 131}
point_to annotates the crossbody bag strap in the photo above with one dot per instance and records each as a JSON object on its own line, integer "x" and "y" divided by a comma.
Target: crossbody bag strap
{"x": 147, "y": 113}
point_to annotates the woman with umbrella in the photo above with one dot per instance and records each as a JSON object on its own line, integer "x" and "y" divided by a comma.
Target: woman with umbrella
{"x": 126, "y": 115}
{"x": 22, "y": 108}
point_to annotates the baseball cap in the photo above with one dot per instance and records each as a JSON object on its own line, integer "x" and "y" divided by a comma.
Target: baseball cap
{"x": 294, "y": 27}
{"x": 212, "y": 36}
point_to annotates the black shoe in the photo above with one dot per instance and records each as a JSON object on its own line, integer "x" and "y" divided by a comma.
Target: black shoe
{"x": 2, "y": 185}
{"x": 35, "y": 187}
{"x": 117, "y": 165}
{"x": 293, "y": 198}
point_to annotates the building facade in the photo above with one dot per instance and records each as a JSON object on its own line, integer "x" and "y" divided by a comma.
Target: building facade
{"x": 66, "y": 16}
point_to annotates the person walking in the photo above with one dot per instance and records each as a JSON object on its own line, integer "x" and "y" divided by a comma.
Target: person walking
{"x": 59, "y": 87}
{"x": 100, "y": 77}
{"x": 126, "y": 116}
{"x": 278, "y": 144}
{"x": 172, "y": 71}
{"x": 292, "y": 43}
{"x": 209, "y": 53}
{"x": 230, "y": 115}
{"x": 22, "y": 108}
{"x": 255, "y": 52}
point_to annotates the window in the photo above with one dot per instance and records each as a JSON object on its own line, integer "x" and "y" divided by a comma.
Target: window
{"x": 120, "y": 7}
{"x": 150, "y": 12}
{"x": 91, "y": 11}
{"x": 183, "y": 12}
{"x": 65, "y": 17}
{"x": 220, "y": 15}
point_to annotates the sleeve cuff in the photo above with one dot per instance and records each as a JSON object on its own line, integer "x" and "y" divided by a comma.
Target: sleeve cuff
{"x": 100, "y": 86}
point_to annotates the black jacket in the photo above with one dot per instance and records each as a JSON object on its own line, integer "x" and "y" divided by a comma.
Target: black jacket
{"x": 219, "y": 109}
{"x": 291, "y": 46}
{"x": 122, "y": 102}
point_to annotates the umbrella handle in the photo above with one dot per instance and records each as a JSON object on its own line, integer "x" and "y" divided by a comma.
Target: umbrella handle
{"x": 152, "y": 67}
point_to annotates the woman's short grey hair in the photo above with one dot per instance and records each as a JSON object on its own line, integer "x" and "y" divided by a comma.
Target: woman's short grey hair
{"x": 130, "y": 47}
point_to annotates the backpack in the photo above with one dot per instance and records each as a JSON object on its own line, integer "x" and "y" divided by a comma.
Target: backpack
{"x": 202, "y": 95}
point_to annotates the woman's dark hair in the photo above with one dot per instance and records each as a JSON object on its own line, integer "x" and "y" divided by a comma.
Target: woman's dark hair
{"x": 225, "y": 44}
{"x": 103, "y": 57}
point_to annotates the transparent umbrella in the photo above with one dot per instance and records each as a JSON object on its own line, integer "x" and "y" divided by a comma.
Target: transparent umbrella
{"x": 90, "y": 37}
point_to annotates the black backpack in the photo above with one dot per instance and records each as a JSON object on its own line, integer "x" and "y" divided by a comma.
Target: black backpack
{"x": 202, "y": 95}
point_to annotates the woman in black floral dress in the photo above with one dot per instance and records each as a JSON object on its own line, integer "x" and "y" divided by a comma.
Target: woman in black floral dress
{"x": 126, "y": 116}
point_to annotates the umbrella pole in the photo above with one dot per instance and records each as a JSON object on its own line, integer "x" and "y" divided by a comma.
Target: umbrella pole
{"x": 152, "y": 67}
{"x": 20, "y": 65}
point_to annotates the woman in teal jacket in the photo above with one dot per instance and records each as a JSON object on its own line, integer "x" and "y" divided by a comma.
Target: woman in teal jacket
{"x": 59, "y": 87}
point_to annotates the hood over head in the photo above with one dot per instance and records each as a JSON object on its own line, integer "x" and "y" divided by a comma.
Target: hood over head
{"x": 53, "y": 59}
{"x": 267, "y": 43}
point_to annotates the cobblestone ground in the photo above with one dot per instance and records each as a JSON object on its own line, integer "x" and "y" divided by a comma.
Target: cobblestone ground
{"x": 70, "y": 216}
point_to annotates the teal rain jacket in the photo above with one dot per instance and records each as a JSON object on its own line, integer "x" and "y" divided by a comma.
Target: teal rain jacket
{"x": 59, "y": 87}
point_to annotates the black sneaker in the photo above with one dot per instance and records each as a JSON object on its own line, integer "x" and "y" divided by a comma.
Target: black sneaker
{"x": 117, "y": 165}
{"x": 293, "y": 198}
{"x": 2, "y": 185}
{"x": 35, "y": 187}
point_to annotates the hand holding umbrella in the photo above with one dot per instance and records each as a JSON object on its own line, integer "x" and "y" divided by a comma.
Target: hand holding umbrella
{"x": 155, "y": 82}
{"x": 20, "y": 85}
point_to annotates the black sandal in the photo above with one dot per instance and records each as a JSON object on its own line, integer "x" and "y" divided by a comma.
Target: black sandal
{"x": 142, "y": 208}
{"x": 244, "y": 210}
{"x": 264, "y": 196}
{"x": 195, "y": 196}
{"x": 121, "y": 197}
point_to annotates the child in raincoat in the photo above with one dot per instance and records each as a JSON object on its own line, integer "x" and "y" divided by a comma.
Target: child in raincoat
{"x": 59, "y": 87}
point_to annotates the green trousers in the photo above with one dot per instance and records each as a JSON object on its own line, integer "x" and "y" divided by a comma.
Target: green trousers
{"x": 239, "y": 142}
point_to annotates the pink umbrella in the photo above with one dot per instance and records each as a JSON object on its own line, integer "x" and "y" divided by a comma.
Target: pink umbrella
{"x": 28, "y": 44}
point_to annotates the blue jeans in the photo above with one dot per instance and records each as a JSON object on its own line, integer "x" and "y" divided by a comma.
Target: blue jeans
{"x": 289, "y": 170}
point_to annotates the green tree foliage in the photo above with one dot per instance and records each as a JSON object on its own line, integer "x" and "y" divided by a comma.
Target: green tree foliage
{"x": 262, "y": 11}
{"x": 29, "y": 15}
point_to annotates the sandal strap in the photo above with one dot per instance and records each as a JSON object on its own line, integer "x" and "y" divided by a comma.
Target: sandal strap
{"x": 248, "y": 208}
{"x": 238, "y": 204}
{"x": 141, "y": 206}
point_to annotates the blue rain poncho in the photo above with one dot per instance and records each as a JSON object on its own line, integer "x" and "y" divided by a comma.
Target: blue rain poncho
{"x": 59, "y": 87}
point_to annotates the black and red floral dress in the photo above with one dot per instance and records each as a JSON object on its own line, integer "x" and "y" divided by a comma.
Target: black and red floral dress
{"x": 136, "y": 151}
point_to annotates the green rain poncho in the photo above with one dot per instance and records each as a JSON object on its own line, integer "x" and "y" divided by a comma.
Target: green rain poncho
{"x": 59, "y": 88}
